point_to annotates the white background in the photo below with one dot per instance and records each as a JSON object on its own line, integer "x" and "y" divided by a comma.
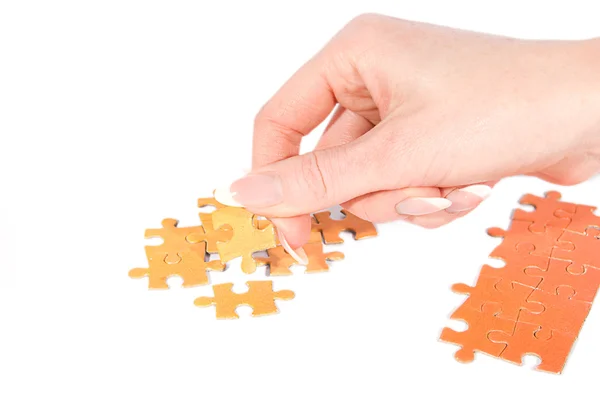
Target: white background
{"x": 116, "y": 114}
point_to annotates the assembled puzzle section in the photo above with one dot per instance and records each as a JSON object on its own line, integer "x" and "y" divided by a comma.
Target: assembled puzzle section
{"x": 538, "y": 302}
{"x": 235, "y": 233}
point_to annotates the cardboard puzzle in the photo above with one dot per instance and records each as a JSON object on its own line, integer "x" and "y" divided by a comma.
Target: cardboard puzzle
{"x": 538, "y": 302}
{"x": 260, "y": 296}
{"x": 235, "y": 233}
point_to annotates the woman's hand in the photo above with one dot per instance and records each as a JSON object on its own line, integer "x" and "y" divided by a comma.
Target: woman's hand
{"x": 428, "y": 119}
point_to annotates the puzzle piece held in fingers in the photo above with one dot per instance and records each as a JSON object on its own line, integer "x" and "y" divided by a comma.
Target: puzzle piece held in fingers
{"x": 246, "y": 238}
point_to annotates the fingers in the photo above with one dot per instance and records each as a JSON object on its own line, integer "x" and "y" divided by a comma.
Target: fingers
{"x": 313, "y": 181}
{"x": 299, "y": 106}
{"x": 344, "y": 127}
{"x": 426, "y": 207}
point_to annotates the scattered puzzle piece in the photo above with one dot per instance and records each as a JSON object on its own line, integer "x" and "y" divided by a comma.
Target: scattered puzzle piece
{"x": 545, "y": 211}
{"x": 551, "y": 347}
{"x": 246, "y": 238}
{"x": 583, "y": 280}
{"x": 511, "y": 298}
{"x": 280, "y": 261}
{"x": 475, "y": 339}
{"x": 331, "y": 228}
{"x": 260, "y": 296}
{"x": 191, "y": 267}
{"x": 209, "y": 234}
{"x": 561, "y": 312}
{"x": 174, "y": 239}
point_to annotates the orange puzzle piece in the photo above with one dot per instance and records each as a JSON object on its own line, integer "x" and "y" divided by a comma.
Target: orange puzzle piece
{"x": 260, "y": 296}
{"x": 475, "y": 338}
{"x": 246, "y": 238}
{"x": 191, "y": 267}
{"x": 585, "y": 248}
{"x": 584, "y": 280}
{"x": 331, "y": 228}
{"x": 548, "y": 211}
{"x": 519, "y": 233}
{"x": 511, "y": 298}
{"x": 561, "y": 313}
{"x": 551, "y": 347}
{"x": 174, "y": 239}
{"x": 583, "y": 219}
{"x": 280, "y": 261}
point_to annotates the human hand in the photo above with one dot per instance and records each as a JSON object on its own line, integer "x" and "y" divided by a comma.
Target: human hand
{"x": 428, "y": 120}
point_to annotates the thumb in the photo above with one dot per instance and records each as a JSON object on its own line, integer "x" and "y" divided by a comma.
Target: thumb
{"x": 311, "y": 182}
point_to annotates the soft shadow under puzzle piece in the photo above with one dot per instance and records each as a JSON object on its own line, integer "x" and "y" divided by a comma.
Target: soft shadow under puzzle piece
{"x": 475, "y": 338}
{"x": 260, "y": 296}
{"x": 280, "y": 261}
{"x": 548, "y": 211}
{"x": 331, "y": 228}
{"x": 191, "y": 267}
{"x": 246, "y": 238}
{"x": 553, "y": 350}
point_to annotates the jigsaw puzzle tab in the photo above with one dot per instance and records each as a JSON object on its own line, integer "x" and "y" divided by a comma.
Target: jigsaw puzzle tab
{"x": 511, "y": 273}
{"x": 246, "y": 239}
{"x": 191, "y": 268}
{"x": 549, "y": 211}
{"x": 583, "y": 219}
{"x": 331, "y": 228}
{"x": 584, "y": 249}
{"x": 551, "y": 347}
{"x": 584, "y": 280}
{"x": 510, "y": 298}
{"x": 280, "y": 261}
{"x": 561, "y": 313}
{"x": 475, "y": 338}
{"x": 174, "y": 239}
{"x": 519, "y": 234}
{"x": 260, "y": 296}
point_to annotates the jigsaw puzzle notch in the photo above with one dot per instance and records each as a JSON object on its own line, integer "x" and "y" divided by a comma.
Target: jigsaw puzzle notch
{"x": 192, "y": 269}
{"x": 280, "y": 261}
{"x": 474, "y": 339}
{"x": 260, "y": 296}
{"x": 175, "y": 239}
{"x": 583, "y": 280}
{"x": 246, "y": 238}
{"x": 545, "y": 210}
{"x": 550, "y": 346}
{"x": 331, "y": 228}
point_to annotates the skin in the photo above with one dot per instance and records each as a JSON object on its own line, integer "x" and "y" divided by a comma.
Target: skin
{"x": 421, "y": 111}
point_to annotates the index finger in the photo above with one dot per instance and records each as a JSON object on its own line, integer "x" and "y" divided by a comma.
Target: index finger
{"x": 297, "y": 108}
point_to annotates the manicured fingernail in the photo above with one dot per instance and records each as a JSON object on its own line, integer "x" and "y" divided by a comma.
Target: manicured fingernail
{"x": 468, "y": 198}
{"x": 299, "y": 254}
{"x": 257, "y": 190}
{"x": 422, "y": 206}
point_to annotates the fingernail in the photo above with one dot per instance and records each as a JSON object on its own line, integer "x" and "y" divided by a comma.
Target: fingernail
{"x": 422, "y": 206}
{"x": 299, "y": 254}
{"x": 468, "y": 198}
{"x": 257, "y": 190}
